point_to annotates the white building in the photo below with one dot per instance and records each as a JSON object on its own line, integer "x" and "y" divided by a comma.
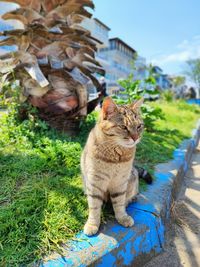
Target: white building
{"x": 162, "y": 80}
{"x": 98, "y": 30}
{"x": 115, "y": 55}
{"x": 118, "y": 59}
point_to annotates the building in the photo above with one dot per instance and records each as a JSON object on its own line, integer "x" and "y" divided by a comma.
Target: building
{"x": 120, "y": 60}
{"x": 162, "y": 80}
{"x": 98, "y": 30}
{"x": 115, "y": 55}
{"x": 140, "y": 68}
{"x": 117, "y": 59}
{"x": 166, "y": 82}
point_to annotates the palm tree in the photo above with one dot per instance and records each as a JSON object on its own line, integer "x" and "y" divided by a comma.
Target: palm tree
{"x": 55, "y": 59}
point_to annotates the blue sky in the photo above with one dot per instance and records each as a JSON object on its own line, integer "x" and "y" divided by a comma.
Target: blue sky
{"x": 166, "y": 32}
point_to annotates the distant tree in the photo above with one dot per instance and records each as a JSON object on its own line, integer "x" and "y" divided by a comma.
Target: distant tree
{"x": 193, "y": 71}
{"x": 178, "y": 80}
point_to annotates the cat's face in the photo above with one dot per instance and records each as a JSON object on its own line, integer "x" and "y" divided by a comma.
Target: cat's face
{"x": 122, "y": 124}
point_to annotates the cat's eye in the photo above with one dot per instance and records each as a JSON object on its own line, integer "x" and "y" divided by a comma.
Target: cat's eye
{"x": 139, "y": 127}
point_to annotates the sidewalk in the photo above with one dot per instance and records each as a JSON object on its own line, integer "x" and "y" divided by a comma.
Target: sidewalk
{"x": 183, "y": 238}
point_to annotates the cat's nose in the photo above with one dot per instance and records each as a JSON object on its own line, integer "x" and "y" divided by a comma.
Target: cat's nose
{"x": 134, "y": 137}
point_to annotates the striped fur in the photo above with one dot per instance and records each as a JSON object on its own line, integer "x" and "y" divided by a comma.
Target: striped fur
{"x": 107, "y": 162}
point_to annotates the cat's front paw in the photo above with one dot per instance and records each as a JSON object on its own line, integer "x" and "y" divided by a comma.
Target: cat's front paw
{"x": 126, "y": 221}
{"x": 90, "y": 229}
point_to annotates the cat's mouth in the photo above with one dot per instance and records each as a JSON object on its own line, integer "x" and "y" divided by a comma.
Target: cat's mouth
{"x": 130, "y": 142}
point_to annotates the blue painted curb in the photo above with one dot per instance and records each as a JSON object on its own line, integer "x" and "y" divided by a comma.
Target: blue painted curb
{"x": 119, "y": 246}
{"x": 194, "y": 101}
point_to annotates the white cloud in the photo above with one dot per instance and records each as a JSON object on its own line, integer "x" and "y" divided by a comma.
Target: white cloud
{"x": 197, "y": 37}
{"x": 187, "y": 49}
{"x": 183, "y": 44}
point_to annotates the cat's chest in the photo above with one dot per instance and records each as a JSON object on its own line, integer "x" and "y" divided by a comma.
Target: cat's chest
{"x": 120, "y": 169}
{"x": 114, "y": 153}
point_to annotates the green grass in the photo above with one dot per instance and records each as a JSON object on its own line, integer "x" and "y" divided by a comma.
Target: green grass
{"x": 158, "y": 145}
{"x": 2, "y": 112}
{"x": 42, "y": 203}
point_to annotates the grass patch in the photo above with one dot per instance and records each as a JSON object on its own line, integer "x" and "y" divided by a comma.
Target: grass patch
{"x": 158, "y": 145}
{"x": 42, "y": 203}
{"x": 2, "y": 112}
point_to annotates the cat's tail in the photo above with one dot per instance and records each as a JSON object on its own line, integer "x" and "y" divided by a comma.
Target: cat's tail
{"x": 144, "y": 175}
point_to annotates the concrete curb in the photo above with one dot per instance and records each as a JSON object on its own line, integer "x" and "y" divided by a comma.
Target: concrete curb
{"x": 119, "y": 246}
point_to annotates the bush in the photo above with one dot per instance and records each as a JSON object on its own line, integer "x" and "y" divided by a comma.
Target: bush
{"x": 150, "y": 115}
{"x": 167, "y": 95}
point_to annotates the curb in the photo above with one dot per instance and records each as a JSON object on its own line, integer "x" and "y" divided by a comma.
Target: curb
{"x": 194, "y": 101}
{"x": 120, "y": 246}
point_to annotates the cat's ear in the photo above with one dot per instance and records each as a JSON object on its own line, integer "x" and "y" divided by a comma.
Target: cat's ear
{"x": 137, "y": 104}
{"x": 109, "y": 108}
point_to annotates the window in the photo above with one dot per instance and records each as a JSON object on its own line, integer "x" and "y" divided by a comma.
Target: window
{"x": 113, "y": 45}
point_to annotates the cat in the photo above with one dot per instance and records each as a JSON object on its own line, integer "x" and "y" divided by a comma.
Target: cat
{"x": 107, "y": 162}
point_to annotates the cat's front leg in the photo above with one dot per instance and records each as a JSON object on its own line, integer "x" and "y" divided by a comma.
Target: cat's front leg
{"x": 95, "y": 196}
{"x": 92, "y": 225}
{"x": 118, "y": 198}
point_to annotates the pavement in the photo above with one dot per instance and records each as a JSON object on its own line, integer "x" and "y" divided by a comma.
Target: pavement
{"x": 183, "y": 235}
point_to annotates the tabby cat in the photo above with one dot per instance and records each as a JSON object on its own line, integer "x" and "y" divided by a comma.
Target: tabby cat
{"x": 107, "y": 162}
